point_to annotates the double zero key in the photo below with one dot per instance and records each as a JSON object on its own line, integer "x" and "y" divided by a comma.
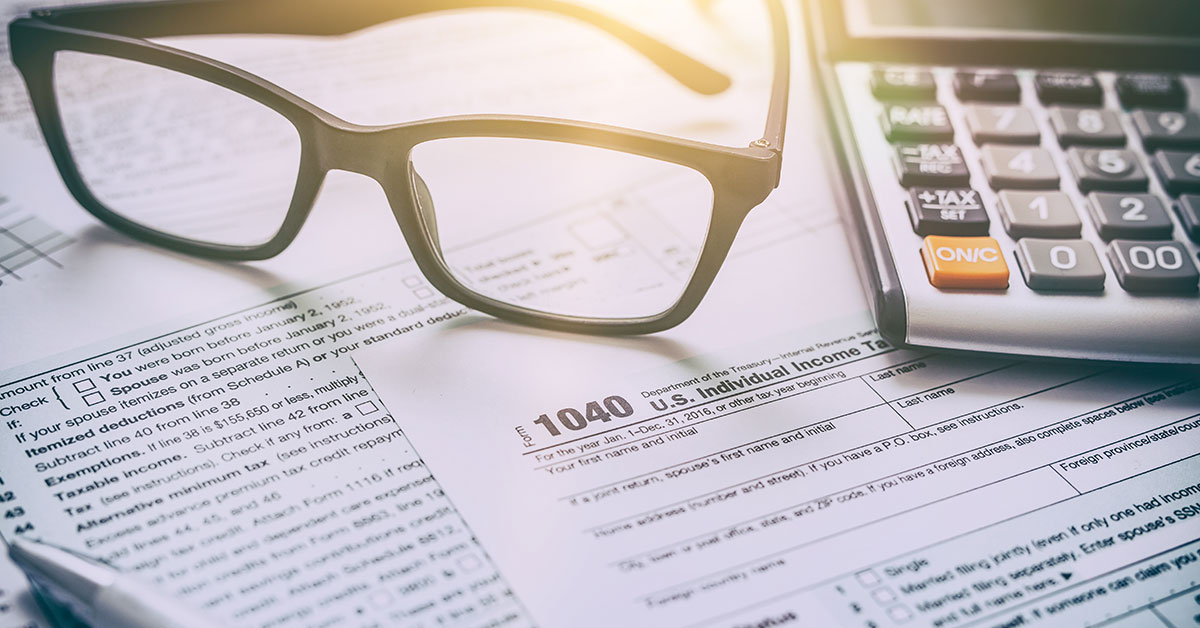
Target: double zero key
{"x": 1144, "y": 266}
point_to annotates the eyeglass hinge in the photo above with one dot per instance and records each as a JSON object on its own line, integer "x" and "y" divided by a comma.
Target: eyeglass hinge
{"x": 763, "y": 142}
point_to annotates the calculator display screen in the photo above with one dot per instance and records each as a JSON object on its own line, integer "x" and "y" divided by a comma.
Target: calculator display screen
{"x": 1019, "y": 18}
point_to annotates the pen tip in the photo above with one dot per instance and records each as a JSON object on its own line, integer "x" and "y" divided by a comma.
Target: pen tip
{"x": 59, "y": 568}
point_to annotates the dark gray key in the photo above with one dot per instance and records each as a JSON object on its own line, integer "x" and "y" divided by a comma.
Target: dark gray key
{"x": 987, "y": 85}
{"x": 1080, "y": 125}
{"x": 1167, "y": 129}
{"x": 1129, "y": 216}
{"x": 899, "y": 83}
{"x": 1106, "y": 169}
{"x": 1005, "y": 125}
{"x": 1048, "y": 214}
{"x": 1019, "y": 167}
{"x": 1068, "y": 87}
{"x": 1060, "y": 265}
{"x": 947, "y": 211}
{"x": 930, "y": 164}
{"x": 1153, "y": 266}
{"x": 1180, "y": 171}
{"x": 914, "y": 123}
{"x": 1189, "y": 214}
{"x": 1151, "y": 90}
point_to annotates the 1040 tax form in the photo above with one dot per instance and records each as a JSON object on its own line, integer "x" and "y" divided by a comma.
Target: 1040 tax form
{"x": 816, "y": 478}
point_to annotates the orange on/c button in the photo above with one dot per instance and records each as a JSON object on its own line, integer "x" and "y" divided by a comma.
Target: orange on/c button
{"x": 965, "y": 263}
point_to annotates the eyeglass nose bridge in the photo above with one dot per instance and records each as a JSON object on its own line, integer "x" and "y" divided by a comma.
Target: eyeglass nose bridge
{"x": 376, "y": 152}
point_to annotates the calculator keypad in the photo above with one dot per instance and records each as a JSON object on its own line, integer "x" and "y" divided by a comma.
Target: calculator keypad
{"x": 1056, "y": 213}
{"x": 1018, "y": 148}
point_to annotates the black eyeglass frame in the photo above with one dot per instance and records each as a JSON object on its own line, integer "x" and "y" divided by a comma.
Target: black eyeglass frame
{"x": 741, "y": 178}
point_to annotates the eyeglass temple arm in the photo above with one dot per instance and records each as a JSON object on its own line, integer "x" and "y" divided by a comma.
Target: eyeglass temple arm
{"x": 776, "y": 125}
{"x": 287, "y": 17}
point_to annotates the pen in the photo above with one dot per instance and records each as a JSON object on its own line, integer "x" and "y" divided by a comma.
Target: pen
{"x": 97, "y": 594}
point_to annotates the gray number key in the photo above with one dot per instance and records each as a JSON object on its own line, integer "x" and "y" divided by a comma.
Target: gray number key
{"x": 1153, "y": 266}
{"x": 1006, "y": 125}
{"x": 1038, "y": 215}
{"x": 1106, "y": 169}
{"x": 1180, "y": 171}
{"x": 1130, "y": 216}
{"x": 1076, "y": 125}
{"x": 1167, "y": 129}
{"x": 1019, "y": 167}
{"x": 1189, "y": 212}
{"x": 1060, "y": 264}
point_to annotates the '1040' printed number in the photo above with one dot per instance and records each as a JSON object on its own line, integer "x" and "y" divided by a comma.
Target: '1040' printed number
{"x": 593, "y": 411}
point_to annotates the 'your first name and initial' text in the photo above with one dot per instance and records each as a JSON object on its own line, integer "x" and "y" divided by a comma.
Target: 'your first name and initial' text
{"x": 159, "y": 412}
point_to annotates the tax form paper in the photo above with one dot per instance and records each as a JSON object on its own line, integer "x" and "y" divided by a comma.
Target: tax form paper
{"x": 815, "y": 478}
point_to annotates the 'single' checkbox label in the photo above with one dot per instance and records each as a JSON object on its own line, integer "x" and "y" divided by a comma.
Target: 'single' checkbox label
{"x": 367, "y": 407}
{"x": 85, "y": 385}
{"x": 93, "y": 398}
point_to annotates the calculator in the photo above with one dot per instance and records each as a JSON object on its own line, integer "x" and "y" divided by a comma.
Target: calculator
{"x": 1019, "y": 177}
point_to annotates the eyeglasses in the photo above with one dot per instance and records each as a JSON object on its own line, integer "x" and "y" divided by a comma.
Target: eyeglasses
{"x": 548, "y": 222}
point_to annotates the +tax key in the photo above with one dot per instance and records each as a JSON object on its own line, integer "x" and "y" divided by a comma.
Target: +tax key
{"x": 947, "y": 211}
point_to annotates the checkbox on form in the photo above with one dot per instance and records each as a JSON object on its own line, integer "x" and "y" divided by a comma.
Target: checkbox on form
{"x": 469, "y": 563}
{"x": 85, "y": 385}
{"x": 900, "y": 614}
{"x": 867, "y": 578}
{"x": 367, "y": 407}
{"x": 93, "y": 398}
